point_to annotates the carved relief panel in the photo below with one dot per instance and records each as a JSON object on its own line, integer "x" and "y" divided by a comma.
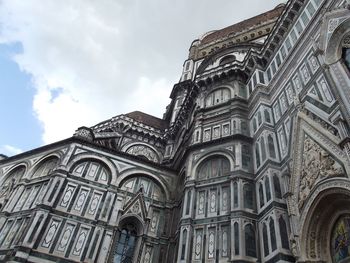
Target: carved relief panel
{"x": 317, "y": 165}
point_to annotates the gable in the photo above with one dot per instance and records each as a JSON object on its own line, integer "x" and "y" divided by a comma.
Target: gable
{"x": 316, "y": 157}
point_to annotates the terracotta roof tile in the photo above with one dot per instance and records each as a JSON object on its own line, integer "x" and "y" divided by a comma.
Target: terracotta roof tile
{"x": 147, "y": 119}
{"x": 239, "y": 27}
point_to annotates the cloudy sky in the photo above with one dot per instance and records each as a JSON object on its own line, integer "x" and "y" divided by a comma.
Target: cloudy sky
{"x": 71, "y": 63}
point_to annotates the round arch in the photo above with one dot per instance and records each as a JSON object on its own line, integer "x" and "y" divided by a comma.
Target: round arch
{"x": 221, "y": 153}
{"x": 137, "y": 172}
{"x": 334, "y": 47}
{"x": 222, "y": 52}
{"x": 88, "y": 157}
{"x": 128, "y": 146}
{"x": 134, "y": 219}
{"x": 231, "y": 93}
{"x": 326, "y": 204}
{"x": 32, "y": 170}
{"x": 5, "y": 176}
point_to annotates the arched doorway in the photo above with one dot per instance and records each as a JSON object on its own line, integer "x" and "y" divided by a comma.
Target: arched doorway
{"x": 340, "y": 239}
{"x": 325, "y": 236}
{"x": 125, "y": 245}
{"x": 127, "y": 242}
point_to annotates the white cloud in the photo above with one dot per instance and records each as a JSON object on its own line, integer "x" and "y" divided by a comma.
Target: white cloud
{"x": 90, "y": 60}
{"x": 9, "y": 150}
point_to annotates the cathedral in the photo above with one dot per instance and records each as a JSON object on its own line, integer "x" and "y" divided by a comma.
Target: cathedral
{"x": 250, "y": 162}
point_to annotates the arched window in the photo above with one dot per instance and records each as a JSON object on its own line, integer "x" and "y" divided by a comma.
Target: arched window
{"x": 267, "y": 188}
{"x": 277, "y": 186}
{"x": 236, "y": 235}
{"x": 257, "y": 155}
{"x": 248, "y": 196}
{"x": 227, "y": 59}
{"x": 271, "y": 147}
{"x": 263, "y": 148}
{"x": 346, "y": 57}
{"x": 346, "y": 52}
{"x": 218, "y": 96}
{"x": 125, "y": 247}
{"x": 45, "y": 167}
{"x": 235, "y": 194}
{"x": 261, "y": 195}
{"x": 183, "y": 244}
{"x": 188, "y": 204}
{"x": 273, "y": 235}
{"x": 267, "y": 116}
{"x": 265, "y": 240}
{"x": 14, "y": 176}
{"x": 284, "y": 233}
{"x": 92, "y": 170}
{"x": 259, "y": 118}
{"x": 149, "y": 187}
{"x": 250, "y": 243}
{"x": 213, "y": 167}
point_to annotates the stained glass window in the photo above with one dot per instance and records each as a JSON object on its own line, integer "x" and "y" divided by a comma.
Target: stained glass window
{"x": 125, "y": 247}
{"x": 340, "y": 240}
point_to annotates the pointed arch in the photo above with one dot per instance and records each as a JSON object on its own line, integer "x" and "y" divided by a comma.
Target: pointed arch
{"x": 273, "y": 234}
{"x": 265, "y": 240}
{"x": 250, "y": 241}
{"x": 261, "y": 194}
{"x": 334, "y": 46}
{"x": 277, "y": 186}
{"x": 236, "y": 237}
{"x": 267, "y": 188}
